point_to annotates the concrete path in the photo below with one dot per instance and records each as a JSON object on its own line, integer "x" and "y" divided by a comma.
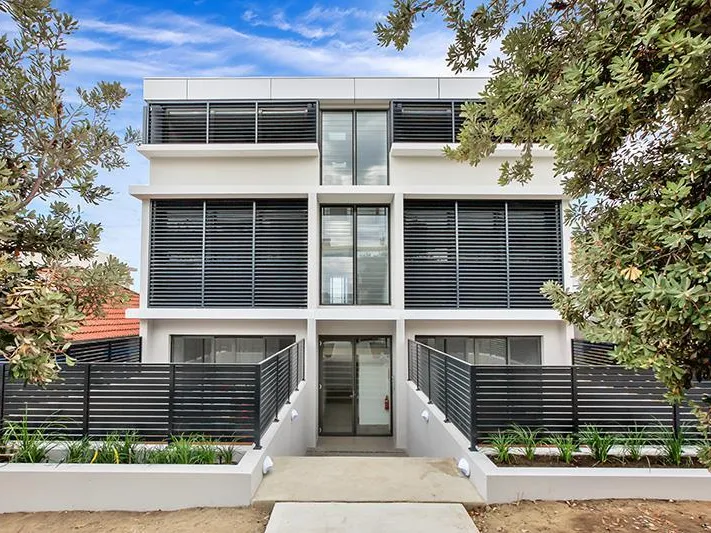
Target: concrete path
{"x": 370, "y": 518}
{"x": 366, "y": 479}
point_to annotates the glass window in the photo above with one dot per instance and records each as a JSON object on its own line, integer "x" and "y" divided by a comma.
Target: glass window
{"x": 337, "y": 148}
{"x": 354, "y": 148}
{"x": 337, "y": 255}
{"x": 372, "y": 255}
{"x": 524, "y": 350}
{"x": 490, "y": 351}
{"x": 371, "y": 148}
{"x": 201, "y": 349}
{"x": 355, "y": 239}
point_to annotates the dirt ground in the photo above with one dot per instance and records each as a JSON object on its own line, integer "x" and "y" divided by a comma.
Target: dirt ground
{"x": 620, "y": 516}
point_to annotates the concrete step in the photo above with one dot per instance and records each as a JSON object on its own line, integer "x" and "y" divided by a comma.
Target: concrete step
{"x": 327, "y": 452}
{"x": 366, "y": 479}
{"x": 370, "y": 517}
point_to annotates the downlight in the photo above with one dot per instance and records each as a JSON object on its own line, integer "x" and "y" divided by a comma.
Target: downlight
{"x": 267, "y": 465}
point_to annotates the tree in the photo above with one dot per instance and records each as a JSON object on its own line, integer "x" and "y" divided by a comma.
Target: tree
{"x": 620, "y": 89}
{"x": 51, "y": 147}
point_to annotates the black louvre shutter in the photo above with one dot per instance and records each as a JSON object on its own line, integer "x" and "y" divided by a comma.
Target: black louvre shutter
{"x": 175, "y": 274}
{"x": 535, "y": 251}
{"x": 287, "y": 122}
{"x": 422, "y": 122}
{"x": 482, "y": 254}
{"x": 233, "y": 123}
{"x": 178, "y": 123}
{"x": 228, "y": 253}
{"x": 430, "y": 255}
{"x": 280, "y": 274}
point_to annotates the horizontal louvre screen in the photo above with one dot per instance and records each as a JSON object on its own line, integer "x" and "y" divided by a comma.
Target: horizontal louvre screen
{"x": 535, "y": 251}
{"x": 178, "y": 123}
{"x": 479, "y": 254}
{"x": 430, "y": 255}
{"x": 287, "y": 122}
{"x": 230, "y": 262}
{"x": 233, "y": 123}
{"x": 482, "y": 254}
{"x": 422, "y": 122}
{"x": 175, "y": 278}
{"x": 228, "y": 253}
{"x": 281, "y": 261}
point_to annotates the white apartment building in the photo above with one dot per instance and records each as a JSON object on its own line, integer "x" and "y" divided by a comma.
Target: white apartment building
{"x": 323, "y": 209}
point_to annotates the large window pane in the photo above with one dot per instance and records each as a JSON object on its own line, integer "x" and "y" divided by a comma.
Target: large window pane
{"x": 490, "y": 350}
{"x": 372, "y": 148}
{"x": 524, "y": 350}
{"x": 337, "y": 255}
{"x": 337, "y": 148}
{"x": 372, "y": 250}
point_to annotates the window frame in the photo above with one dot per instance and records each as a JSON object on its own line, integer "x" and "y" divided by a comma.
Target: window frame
{"x": 354, "y": 144}
{"x": 354, "y": 249}
{"x": 264, "y": 338}
{"x": 507, "y": 338}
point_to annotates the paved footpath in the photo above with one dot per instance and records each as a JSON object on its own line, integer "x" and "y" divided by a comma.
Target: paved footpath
{"x": 325, "y": 517}
{"x": 366, "y": 479}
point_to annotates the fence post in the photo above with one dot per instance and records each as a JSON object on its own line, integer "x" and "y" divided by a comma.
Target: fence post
{"x": 473, "y": 433}
{"x": 574, "y": 397}
{"x": 276, "y": 392}
{"x": 298, "y": 358}
{"x": 429, "y": 376}
{"x": 675, "y": 419}
{"x": 417, "y": 365}
{"x": 288, "y": 380}
{"x": 171, "y": 400}
{"x": 2, "y": 392}
{"x": 257, "y": 407}
{"x": 446, "y": 395}
{"x": 87, "y": 394}
{"x": 140, "y": 349}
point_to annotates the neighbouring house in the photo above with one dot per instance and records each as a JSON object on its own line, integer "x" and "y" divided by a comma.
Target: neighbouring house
{"x": 323, "y": 209}
{"x": 111, "y": 337}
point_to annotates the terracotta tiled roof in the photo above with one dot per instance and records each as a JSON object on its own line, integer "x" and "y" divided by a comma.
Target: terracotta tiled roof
{"x": 113, "y": 324}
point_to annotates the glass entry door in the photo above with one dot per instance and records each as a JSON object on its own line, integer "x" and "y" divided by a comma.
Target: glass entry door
{"x": 355, "y": 396}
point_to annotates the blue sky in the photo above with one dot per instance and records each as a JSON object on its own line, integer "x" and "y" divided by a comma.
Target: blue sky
{"x": 127, "y": 41}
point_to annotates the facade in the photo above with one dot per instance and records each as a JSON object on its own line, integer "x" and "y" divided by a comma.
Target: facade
{"x": 322, "y": 208}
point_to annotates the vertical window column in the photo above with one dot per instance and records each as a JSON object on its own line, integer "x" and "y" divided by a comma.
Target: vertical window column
{"x": 355, "y": 250}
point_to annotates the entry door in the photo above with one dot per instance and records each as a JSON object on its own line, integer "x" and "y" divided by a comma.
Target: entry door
{"x": 355, "y": 396}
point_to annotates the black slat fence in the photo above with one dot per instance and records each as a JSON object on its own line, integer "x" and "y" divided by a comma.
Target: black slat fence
{"x": 118, "y": 350}
{"x": 591, "y": 353}
{"x": 480, "y": 400}
{"x": 228, "y": 402}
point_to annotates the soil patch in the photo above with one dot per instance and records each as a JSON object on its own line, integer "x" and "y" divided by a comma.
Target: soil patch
{"x": 588, "y": 461}
{"x": 620, "y": 516}
{"x": 233, "y": 520}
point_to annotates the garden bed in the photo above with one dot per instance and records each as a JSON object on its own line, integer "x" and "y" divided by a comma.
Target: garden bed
{"x": 587, "y": 461}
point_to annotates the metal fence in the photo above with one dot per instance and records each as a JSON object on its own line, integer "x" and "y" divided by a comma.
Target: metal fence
{"x": 591, "y": 353}
{"x": 119, "y": 350}
{"x": 228, "y": 402}
{"x": 480, "y": 400}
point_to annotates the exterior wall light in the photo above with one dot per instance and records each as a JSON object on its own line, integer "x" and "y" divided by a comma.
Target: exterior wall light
{"x": 294, "y": 414}
{"x": 425, "y": 416}
{"x": 463, "y": 467}
{"x": 267, "y": 465}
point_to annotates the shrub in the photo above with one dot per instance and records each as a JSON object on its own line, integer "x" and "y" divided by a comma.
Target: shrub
{"x": 599, "y": 443}
{"x": 501, "y": 442}
{"x": 79, "y": 451}
{"x": 28, "y": 445}
{"x": 632, "y": 443}
{"x": 672, "y": 446}
{"x": 526, "y": 438}
{"x": 566, "y": 446}
{"x": 225, "y": 454}
{"x": 116, "y": 449}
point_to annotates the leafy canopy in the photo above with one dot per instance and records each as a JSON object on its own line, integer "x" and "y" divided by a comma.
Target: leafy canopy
{"x": 51, "y": 147}
{"x": 620, "y": 89}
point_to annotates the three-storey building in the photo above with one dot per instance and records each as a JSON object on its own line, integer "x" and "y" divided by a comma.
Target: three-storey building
{"x": 323, "y": 208}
